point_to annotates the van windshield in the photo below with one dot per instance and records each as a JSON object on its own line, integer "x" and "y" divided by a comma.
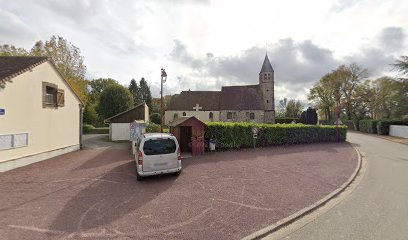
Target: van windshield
{"x": 159, "y": 146}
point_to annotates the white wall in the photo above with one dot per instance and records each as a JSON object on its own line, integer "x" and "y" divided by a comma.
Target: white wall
{"x": 119, "y": 131}
{"x": 399, "y": 131}
{"x": 48, "y": 128}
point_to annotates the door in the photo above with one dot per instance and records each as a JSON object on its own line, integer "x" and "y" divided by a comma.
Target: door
{"x": 185, "y": 139}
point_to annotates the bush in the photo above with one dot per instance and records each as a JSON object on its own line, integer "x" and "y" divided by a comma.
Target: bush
{"x": 155, "y": 118}
{"x": 383, "y": 126}
{"x": 89, "y": 129}
{"x": 86, "y": 128}
{"x": 239, "y": 135}
{"x": 325, "y": 122}
{"x": 287, "y": 120}
{"x": 352, "y": 124}
{"x": 368, "y": 126}
{"x": 309, "y": 116}
{"x": 152, "y": 127}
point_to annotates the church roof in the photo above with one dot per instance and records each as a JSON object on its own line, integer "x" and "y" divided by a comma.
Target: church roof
{"x": 266, "y": 66}
{"x": 208, "y": 100}
{"x": 241, "y": 98}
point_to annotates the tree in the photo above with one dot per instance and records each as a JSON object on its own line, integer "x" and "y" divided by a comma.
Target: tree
{"x": 10, "y": 50}
{"x": 282, "y": 108}
{"x": 97, "y": 86}
{"x": 155, "y": 118}
{"x": 90, "y": 115}
{"x": 325, "y": 94}
{"x": 293, "y": 108}
{"x": 135, "y": 91}
{"x": 402, "y": 65}
{"x": 113, "y": 100}
{"x": 386, "y": 97}
{"x": 68, "y": 60}
{"x": 144, "y": 92}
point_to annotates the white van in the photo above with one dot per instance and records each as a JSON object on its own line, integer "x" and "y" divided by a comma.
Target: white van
{"x": 157, "y": 153}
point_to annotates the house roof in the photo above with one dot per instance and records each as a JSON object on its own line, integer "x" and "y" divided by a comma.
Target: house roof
{"x": 208, "y": 100}
{"x": 241, "y": 98}
{"x": 12, "y": 66}
{"x": 266, "y": 66}
{"x": 120, "y": 115}
{"x": 181, "y": 120}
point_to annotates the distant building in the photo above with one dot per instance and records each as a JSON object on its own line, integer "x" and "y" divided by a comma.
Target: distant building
{"x": 251, "y": 103}
{"x": 119, "y": 125}
{"x": 40, "y": 114}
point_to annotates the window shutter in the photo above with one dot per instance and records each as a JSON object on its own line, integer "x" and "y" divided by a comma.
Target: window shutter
{"x": 60, "y": 98}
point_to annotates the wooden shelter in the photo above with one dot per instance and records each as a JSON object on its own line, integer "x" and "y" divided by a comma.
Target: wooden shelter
{"x": 189, "y": 132}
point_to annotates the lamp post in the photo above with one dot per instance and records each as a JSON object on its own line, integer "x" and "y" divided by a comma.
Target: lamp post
{"x": 163, "y": 80}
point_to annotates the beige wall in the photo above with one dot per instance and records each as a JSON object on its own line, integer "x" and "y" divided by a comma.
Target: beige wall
{"x": 201, "y": 115}
{"x": 48, "y": 128}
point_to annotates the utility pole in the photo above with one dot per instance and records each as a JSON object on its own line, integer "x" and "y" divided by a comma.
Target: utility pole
{"x": 163, "y": 80}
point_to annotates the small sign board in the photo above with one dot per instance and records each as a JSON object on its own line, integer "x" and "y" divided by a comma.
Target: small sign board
{"x": 255, "y": 131}
{"x": 2, "y": 111}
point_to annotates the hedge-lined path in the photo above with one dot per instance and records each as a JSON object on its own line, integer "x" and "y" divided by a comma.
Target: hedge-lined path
{"x": 377, "y": 208}
{"x": 389, "y": 138}
{"x": 93, "y": 194}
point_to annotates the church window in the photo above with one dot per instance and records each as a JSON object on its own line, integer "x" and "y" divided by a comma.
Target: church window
{"x": 229, "y": 115}
{"x": 211, "y": 116}
{"x": 175, "y": 117}
{"x": 184, "y": 114}
{"x": 252, "y": 116}
{"x": 234, "y": 116}
{"x": 267, "y": 101}
{"x": 269, "y": 76}
{"x": 265, "y": 77}
{"x": 267, "y": 90}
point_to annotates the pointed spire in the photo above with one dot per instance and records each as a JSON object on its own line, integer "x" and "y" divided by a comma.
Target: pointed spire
{"x": 266, "y": 66}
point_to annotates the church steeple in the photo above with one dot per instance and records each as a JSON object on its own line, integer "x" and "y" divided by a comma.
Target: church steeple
{"x": 266, "y": 66}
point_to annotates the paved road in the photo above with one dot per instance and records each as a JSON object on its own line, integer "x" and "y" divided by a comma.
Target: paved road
{"x": 93, "y": 194}
{"x": 378, "y": 207}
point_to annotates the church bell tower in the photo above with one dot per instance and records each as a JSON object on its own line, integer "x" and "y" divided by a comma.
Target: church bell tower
{"x": 266, "y": 83}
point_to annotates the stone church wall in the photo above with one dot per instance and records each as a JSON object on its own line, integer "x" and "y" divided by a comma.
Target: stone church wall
{"x": 201, "y": 115}
{"x": 242, "y": 116}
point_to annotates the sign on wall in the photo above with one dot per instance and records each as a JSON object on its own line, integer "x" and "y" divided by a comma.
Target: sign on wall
{"x": 2, "y": 111}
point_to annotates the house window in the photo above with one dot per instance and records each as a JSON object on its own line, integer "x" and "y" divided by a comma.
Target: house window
{"x": 184, "y": 114}
{"x": 252, "y": 116}
{"x": 175, "y": 116}
{"x": 229, "y": 115}
{"x": 211, "y": 116}
{"x": 52, "y": 96}
{"x": 9, "y": 141}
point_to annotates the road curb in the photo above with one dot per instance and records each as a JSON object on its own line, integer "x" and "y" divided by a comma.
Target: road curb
{"x": 305, "y": 211}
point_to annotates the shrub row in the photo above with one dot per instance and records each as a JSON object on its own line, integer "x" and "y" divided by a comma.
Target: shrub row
{"x": 286, "y": 120}
{"x": 239, "y": 135}
{"x": 352, "y": 125}
{"x": 383, "y": 126}
{"x": 89, "y": 129}
{"x": 368, "y": 126}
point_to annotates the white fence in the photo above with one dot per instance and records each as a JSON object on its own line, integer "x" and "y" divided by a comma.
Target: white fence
{"x": 399, "y": 131}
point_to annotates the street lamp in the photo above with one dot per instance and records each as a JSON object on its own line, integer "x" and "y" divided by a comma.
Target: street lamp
{"x": 163, "y": 80}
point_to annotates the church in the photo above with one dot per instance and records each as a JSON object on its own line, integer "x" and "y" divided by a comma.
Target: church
{"x": 250, "y": 103}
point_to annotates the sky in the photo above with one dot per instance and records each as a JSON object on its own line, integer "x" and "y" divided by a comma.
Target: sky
{"x": 206, "y": 44}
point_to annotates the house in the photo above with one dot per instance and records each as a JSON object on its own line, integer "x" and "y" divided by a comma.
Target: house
{"x": 40, "y": 114}
{"x": 119, "y": 125}
{"x": 251, "y": 103}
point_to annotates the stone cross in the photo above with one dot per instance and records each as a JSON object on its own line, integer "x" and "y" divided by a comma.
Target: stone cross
{"x": 197, "y": 107}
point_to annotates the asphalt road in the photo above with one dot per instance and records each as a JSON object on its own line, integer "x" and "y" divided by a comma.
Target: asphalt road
{"x": 378, "y": 206}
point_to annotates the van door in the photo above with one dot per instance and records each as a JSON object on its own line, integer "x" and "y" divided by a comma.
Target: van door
{"x": 159, "y": 154}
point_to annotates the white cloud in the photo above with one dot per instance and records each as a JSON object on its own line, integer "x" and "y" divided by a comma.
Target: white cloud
{"x": 217, "y": 42}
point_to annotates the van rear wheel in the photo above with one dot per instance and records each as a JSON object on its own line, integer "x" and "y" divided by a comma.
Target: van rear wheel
{"x": 138, "y": 177}
{"x": 177, "y": 173}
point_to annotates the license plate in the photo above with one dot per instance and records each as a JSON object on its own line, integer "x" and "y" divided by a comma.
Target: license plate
{"x": 160, "y": 164}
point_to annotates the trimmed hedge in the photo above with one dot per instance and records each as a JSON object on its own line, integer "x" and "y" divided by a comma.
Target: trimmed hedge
{"x": 368, "y": 126}
{"x": 239, "y": 135}
{"x": 383, "y": 126}
{"x": 89, "y": 129}
{"x": 287, "y": 120}
{"x": 352, "y": 124}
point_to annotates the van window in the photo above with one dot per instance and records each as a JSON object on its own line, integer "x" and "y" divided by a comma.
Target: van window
{"x": 159, "y": 146}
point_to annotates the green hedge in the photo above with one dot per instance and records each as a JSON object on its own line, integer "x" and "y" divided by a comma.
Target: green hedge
{"x": 368, "y": 126}
{"x": 352, "y": 124}
{"x": 383, "y": 126}
{"x": 89, "y": 129}
{"x": 239, "y": 135}
{"x": 287, "y": 120}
